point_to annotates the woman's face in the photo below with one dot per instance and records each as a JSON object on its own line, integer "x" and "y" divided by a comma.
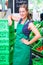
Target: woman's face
{"x": 22, "y": 12}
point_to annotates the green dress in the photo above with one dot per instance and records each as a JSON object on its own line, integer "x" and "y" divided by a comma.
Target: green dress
{"x": 21, "y": 50}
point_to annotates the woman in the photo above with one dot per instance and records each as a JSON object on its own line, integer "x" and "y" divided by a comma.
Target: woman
{"x": 22, "y": 50}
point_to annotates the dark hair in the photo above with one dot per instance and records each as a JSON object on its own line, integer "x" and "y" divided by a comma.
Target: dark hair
{"x": 26, "y": 8}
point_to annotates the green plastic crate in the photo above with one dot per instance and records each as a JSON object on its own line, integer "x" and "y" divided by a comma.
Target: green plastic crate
{"x": 42, "y": 51}
{"x": 39, "y": 27}
{"x": 4, "y": 47}
{"x": 37, "y": 61}
{"x": 11, "y": 28}
{"x": 11, "y": 36}
{"x": 4, "y": 59}
{"x": 3, "y": 52}
{"x": 38, "y": 22}
{"x": 6, "y": 42}
{"x": 12, "y": 42}
{"x": 39, "y": 44}
{"x": 41, "y": 22}
{"x": 41, "y": 31}
{"x": 11, "y": 57}
{"x": 4, "y": 34}
{"x": 4, "y": 25}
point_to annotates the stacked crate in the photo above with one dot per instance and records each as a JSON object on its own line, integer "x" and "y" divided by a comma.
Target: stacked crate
{"x": 39, "y": 42}
{"x": 6, "y": 42}
{"x": 37, "y": 61}
{"x": 11, "y": 41}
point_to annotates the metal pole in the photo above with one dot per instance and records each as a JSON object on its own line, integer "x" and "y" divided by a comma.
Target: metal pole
{"x": 13, "y": 6}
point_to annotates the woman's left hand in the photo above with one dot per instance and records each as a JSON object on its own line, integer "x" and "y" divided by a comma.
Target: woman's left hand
{"x": 25, "y": 41}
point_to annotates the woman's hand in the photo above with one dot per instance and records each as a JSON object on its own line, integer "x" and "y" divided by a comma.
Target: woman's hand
{"x": 25, "y": 41}
{"x": 9, "y": 20}
{"x": 10, "y": 23}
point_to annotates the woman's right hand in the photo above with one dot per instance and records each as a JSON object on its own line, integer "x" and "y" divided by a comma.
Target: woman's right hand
{"x": 9, "y": 20}
{"x": 14, "y": 17}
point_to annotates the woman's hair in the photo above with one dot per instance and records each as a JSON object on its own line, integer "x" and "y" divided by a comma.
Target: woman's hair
{"x": 26, "y": 8}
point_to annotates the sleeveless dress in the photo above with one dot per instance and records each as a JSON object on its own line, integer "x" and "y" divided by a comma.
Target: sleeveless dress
{"x": 22, "y": 52}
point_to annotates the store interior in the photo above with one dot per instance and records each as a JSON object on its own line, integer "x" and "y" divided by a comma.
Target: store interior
{"x": 8, "y": 33}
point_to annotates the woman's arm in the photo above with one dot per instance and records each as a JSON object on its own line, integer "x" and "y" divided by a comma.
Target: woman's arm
{"x": 35, "y": 31}
{"x": 16, "y": 18}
